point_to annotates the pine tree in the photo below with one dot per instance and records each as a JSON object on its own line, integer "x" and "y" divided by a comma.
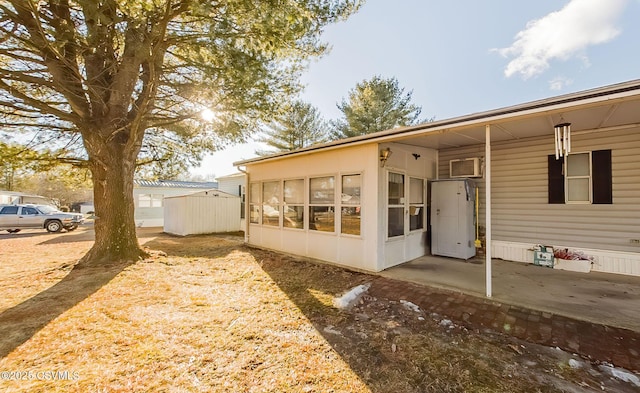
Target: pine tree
{"x": 126, "y": 82}
{"x": 300, "y": 125}
{"x": 374, "y": 105}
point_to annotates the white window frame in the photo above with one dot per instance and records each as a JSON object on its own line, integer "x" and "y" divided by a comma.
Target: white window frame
{"x": 257, "y": 203}
{"x": 330, "y": 205}
{"x": 273, "y": 223}
{"x": 421, "y": 206}
{"x": 401, "y": 205}
{"x": 567, "y": 178}
{"x": 303, "y": 204}
{"x": 348, "y": 205}
{"x": 154, "y": 200}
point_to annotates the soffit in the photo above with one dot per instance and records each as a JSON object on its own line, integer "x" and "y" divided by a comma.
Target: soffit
{"x": 593, "y": 117}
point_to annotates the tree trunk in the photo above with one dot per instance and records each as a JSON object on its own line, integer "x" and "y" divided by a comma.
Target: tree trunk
{"x": 112, "y": 166}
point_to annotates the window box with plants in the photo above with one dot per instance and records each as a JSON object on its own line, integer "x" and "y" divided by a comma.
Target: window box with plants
{"x": 575, "y": 261}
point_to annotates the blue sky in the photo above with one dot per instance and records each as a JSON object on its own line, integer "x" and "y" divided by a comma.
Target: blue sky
{"x": 465, "y": 56}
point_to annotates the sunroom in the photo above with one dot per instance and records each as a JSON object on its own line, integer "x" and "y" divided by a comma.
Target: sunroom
{"x": 366, "y": 202}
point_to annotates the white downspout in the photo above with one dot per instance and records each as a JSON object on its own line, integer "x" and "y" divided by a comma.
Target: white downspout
{"x": 246, "y": 204}
{"x": 487, "y": 190}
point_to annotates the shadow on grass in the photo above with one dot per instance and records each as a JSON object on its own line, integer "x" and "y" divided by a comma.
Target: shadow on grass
{"x": 365, "y": 356}
{"x": 21, "y": 322}
{"x": 39, "y": 233}
{"x": 82, "y": 234}
{"x": 200, "y": 246}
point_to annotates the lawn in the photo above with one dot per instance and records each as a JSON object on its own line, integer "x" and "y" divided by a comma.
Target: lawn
{"x": 209, "y": 314}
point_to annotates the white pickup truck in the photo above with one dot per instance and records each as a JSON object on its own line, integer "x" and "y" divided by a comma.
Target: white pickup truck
{"x": 14, "y": 218}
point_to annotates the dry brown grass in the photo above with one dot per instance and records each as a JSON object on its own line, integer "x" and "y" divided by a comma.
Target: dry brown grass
{"x": 215, "y": 316}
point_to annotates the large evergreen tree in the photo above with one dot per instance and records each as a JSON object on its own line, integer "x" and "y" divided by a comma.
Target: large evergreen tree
{"x": 126, "y": 80}
{"x": 375, "y": 105}
{"x": 15, "y": 162}
{"x": 299, "y": 125}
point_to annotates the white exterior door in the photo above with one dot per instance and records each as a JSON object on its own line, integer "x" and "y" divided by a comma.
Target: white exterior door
{"x": 406, "y": 236}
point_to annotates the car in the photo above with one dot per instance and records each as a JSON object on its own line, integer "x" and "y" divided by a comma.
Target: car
{"x": 14, "y": 218}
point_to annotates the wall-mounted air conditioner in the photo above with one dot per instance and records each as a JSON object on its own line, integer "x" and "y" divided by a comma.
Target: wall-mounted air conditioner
{"x": 466, "y": 167}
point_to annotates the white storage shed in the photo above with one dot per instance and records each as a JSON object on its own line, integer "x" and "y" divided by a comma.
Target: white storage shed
{"x": 208, "y": 211}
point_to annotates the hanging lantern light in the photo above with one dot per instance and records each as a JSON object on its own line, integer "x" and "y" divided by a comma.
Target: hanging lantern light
{"x": 562, "y": 133}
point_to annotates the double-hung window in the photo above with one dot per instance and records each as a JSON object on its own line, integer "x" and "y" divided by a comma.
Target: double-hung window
{"x": 150, "y": 200}
{"x": 584, "y": 177}
{"x": 578, "y": 178}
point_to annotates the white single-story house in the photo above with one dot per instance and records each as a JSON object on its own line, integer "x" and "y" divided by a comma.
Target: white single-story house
{"x": 83, "y": 207}
{"x": 148, "y": 198}
{"x": 365, "y": 202}
{"x": 207, "y": 211}
{"x": 235, "y": 184}
{"x": 15, "y": 197}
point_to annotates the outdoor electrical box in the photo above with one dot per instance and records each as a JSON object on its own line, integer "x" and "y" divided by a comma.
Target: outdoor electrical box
{"x": 543, "y": 256}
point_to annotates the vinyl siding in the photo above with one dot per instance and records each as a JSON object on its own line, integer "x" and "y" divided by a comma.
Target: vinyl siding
{"x": 521, "y": 212}
{"x": 197, "y": 214}
{"x": 231, "y": 185}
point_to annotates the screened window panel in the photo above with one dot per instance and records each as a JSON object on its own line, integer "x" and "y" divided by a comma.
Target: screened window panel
{"x": 396, "y": 221}
{"x": 254, "y": 214}
{"x": 321, "y": 190}
{"x": 578, "y": 165}
{"x": 350, "y": 220}
{"x": 271, "y": 203}
{"x": 416, "y": 220}
{"x": 416, "y": 191}
{"x": 351, "y": 188}
{"x": 294, "y": 191}
{"x": 254, "y": 193}
{"x": 396, "y": 188}
{"x": 322, "y": 218}
{"x": 271, "y": 192}
{"x": 578, "y": 190}
{"x": 294, "y": 217}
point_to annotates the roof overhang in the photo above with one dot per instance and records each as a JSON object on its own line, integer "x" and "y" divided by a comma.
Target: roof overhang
{"x": 605, "y": 108}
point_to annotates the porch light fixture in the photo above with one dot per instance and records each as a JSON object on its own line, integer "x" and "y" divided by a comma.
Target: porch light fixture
{"x": 384, "y": 156}
{"x": 562, "y": 133}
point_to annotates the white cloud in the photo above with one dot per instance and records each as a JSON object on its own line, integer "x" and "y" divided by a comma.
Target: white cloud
{"x": 559, "y": 83}
{"x": 562, "y": 34}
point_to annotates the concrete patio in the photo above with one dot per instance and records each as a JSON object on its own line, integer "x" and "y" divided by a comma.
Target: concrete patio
{"x": 602, "y": 298}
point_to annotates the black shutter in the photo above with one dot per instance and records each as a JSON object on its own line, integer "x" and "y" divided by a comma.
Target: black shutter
{"x": 602, "y": 184}
{"x": 556, "y": 179}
